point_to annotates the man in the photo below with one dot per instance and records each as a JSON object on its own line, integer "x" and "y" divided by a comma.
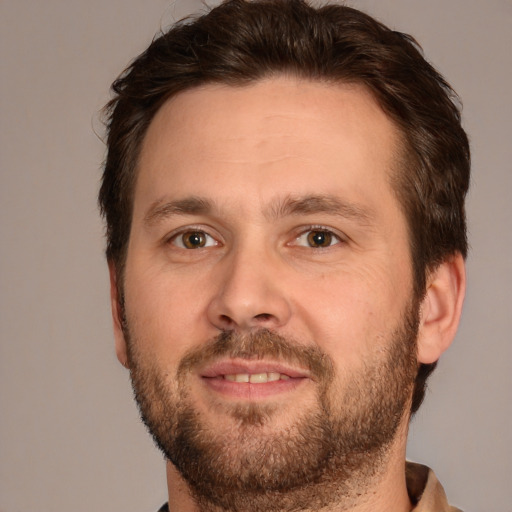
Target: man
{"x": 284, "y": 196}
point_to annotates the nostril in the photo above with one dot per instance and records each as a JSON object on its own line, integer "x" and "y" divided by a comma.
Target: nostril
{"x": 263, "y": 316}
{"x": 226, "y": 320}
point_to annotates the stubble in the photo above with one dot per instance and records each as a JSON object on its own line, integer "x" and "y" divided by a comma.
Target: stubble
{"x": 333, "y": 451}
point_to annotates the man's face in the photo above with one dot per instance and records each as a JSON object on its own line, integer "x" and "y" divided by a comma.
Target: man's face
{"x": 268, "y": 285}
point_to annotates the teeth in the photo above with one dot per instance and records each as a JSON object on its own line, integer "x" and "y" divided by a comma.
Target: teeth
{"x": 256, "y": 378}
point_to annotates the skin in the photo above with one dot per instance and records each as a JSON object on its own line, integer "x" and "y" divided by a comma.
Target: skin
{"x": 253, "y": 154}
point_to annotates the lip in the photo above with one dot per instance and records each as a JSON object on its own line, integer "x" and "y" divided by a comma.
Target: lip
{"x": 213, "y": 378}
{"x": 221, "y": 368}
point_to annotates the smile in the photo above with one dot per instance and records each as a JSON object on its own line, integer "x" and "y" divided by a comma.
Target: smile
{"x": 256, "y": 378}
{"x": 243, "y": 379}
{"x": 252, "y": 371}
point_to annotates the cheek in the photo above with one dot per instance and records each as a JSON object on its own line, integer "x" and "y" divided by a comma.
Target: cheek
{"x": 164, "y": 315}
{"x": 349, "y": 314}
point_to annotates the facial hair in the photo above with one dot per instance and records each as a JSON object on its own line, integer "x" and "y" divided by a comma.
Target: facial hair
{"x": 332, "y": 452}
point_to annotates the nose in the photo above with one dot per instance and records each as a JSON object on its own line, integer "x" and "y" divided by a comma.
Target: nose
{"x": 250, "y": 293}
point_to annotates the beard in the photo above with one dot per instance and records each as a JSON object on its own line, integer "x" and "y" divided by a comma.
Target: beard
{"x": 332, "y": 451}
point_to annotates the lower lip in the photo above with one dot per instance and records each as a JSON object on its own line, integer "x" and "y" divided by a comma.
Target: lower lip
{"x": 249, "y": 391}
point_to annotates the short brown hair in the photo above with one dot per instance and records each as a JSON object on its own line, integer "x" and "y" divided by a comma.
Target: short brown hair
{"x": 242, "y": 41}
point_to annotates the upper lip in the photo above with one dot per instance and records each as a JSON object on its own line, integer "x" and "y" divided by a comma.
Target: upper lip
{"x": 241, "y": 366}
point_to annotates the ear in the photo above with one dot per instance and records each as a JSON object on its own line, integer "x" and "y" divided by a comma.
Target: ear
{"x": 117, "y": 317}
{"x": 441, "y": 308}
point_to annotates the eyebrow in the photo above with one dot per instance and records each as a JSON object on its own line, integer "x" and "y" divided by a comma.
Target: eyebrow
{"x": 289, "y": 206}
{"x": 161, "y": 210}
{"x": 328, "y": 204}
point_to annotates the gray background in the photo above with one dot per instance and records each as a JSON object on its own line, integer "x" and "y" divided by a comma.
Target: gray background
{"x": 70, "y": 434}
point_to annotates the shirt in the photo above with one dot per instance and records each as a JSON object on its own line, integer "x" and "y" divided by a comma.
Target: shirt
{"x": 425, "y": 491}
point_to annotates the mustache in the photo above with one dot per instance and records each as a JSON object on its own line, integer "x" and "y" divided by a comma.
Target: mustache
{"x": 260, "y": 344}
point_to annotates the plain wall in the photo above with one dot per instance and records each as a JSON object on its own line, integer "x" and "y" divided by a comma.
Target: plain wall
{"x": 70, "y": 437}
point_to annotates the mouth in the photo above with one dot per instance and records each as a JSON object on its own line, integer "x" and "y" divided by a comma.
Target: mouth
{"x": 252, "y": 380}
{"x": 256, "y": 378}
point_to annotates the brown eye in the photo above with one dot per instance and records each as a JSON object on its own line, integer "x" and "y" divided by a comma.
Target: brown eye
{"x": 193, "y": 240}
{"x": 319, "y": 238}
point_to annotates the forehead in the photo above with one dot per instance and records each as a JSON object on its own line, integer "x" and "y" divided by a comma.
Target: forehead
{"x": 278, "y": 135}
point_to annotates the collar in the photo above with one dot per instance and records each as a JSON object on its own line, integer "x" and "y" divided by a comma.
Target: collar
{"x": 425, "y": 491}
